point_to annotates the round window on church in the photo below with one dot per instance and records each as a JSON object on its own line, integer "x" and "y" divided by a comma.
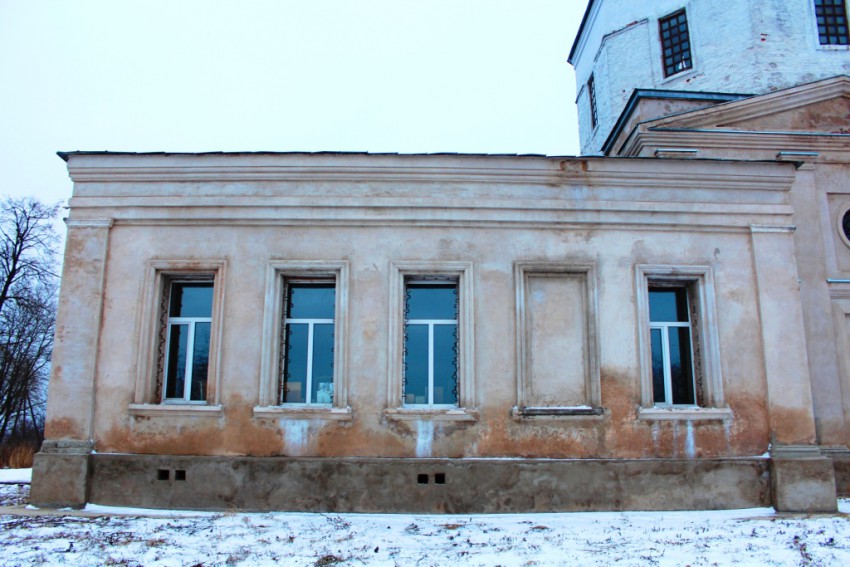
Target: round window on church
{"x": 845, "y": 226}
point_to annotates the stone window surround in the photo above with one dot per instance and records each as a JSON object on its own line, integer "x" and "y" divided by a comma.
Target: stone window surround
{"x": 158, "y": 274}
{"x": 269, "y": 406}
{"x": 462, "y": 272}
{"x": 702, "y": 280}
{"x": 524, "y": 270}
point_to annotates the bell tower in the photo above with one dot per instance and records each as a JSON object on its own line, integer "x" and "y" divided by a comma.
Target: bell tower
{"x": 680, "y": 55}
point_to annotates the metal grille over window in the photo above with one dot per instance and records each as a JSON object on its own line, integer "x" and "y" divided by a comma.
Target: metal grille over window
{"x": 188, "y": 341}
{"x": 832, "y": 22}
{"x": 671, "y": 343}
{"x": 430, "y": 343}
{"x": 675, "y": 43}
{"x": 308, "y": 344}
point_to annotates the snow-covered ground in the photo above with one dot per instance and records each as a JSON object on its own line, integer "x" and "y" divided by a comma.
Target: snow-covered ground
{"x": 120, "y": 536}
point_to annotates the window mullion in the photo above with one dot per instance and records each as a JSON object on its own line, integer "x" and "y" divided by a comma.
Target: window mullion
{"x": 430, "y": 364}
{"x": 309, "y": 384}
{"x": 190, "y": 350}
{"x": 665, "y": 353}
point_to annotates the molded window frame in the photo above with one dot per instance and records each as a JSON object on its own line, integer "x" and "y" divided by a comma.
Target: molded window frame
{"x": 400, "y": 274}
{"x": 278, "y": 274}
{"x": 705, "y": 340}
{"x": 149, "y": 392}
{"x": 522, "y": 272}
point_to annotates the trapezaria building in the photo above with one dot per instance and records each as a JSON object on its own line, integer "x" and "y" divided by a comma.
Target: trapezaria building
{"x": 661, "y": 324}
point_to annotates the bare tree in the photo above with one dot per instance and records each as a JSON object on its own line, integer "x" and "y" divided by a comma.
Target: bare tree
{"x": 28, "y": 283}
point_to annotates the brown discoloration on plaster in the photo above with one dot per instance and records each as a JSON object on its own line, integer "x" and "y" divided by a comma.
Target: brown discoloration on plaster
{"x": 64, "y": 428}
{"x": 792, "y": 426}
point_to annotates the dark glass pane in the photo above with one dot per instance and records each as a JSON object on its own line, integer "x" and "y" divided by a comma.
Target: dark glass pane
{"x": 681, "y": 370}
{"x": 323, "y": 364}
{"x": 431, "y": 301}
{"x": 657, "y": 367}
{"x": 200, "y": 362}
{"x": 668, "y": 305}
{"x": 191, "y": 299}
{"x": 295, "y": 364}
{"x": 311, "y": 301}
{"x": 416, "y": 364}
{"x": 176, "y": 371}
{"x": 445, "y": 364}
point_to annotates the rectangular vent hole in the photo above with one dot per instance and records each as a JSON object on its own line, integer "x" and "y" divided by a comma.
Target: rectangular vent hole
{"x": 179, "y": 475}
{"x": 163, "y": 474}
{"x": 422, "y": 479}
{"x": 440, "y": 478}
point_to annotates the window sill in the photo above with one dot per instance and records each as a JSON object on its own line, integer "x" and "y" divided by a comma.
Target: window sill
{"x": 684, "y": 414}
{"x": 175, "y": 410}
{"x": 430, "y": 414}
{"x": 553, "y": 412}
{"x": 304, "y": 412}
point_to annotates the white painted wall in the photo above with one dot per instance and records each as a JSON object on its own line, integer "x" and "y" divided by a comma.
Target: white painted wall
{"x": 738, "y": 46}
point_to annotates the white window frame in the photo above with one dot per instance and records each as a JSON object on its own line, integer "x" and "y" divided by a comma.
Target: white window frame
{"x": 159, "y": 275}
{"x": 190, "y": 323}
{"x": 664, "y": 327}
{"x": 278, "y": 273}
{"x": 431, "y": 323}
{"x": 311, "y": 323}
{"x": 400, "y": 274}
{"x": 705, "y": 341}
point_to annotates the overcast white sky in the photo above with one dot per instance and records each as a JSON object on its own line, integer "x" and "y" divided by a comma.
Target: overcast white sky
{"x": 481, "y": 76}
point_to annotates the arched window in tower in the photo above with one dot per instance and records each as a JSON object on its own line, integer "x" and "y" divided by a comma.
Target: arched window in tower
{"x": 832, "y": 22}
{"x": 675, "y": 43}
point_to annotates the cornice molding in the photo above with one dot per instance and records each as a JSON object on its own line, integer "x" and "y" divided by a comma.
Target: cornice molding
{"x": 824, "y": 144}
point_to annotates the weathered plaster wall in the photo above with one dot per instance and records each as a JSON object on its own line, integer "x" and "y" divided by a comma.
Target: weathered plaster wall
{"x": 573, "y": 211}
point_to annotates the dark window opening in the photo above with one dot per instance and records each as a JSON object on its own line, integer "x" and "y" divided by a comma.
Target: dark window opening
{"x": 422, "y": 479}
{"x": 832, "y": 22}
{"x": 179, "y": 475}
{"x": 591, "y": 96}
{"x": 163, "y": 474}
{"x": 675, "y": 43}
{"x": 440, "y": 478}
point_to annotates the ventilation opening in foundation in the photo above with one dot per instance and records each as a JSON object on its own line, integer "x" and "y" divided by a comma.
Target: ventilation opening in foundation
{"x": 422, "y": 479}
{"x": 179, "y": 475}
{"x": 440, "y": 478}
{"x": 163, "y": 474}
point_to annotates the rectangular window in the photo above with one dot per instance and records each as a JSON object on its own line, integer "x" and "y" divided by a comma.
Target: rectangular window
{"x": 308, "y": 337}
{"x": 303, "y": 348}
{"x": 187, "y": 338}
{"x": 672, "y": 347}
{"x": 675, "y": 43}
{"x": 430, "y": 343}
{"x": 832, "y": 22}
{"x": 591, "y": 97}
{"x": 679, "y": 343}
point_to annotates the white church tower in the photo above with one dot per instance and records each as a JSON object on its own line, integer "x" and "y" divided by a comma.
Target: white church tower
{"x": 688, "y": 54}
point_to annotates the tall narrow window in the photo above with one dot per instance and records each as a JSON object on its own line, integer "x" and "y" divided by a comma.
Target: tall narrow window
{"x": 675, "y": 43}
{"x": 188, "y": 341}
{"x": 591, "y": 97}
{"x": 308, "y": 350}
{"x": 672, "y": 347}
{"x": 430, "y": 343}
{"x": 832, "y": 22}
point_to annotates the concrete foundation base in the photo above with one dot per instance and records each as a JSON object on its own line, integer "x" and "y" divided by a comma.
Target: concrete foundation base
{"x": 426, "y": 485}
{"x": 60, "y": 474}
{"x": 803, "y": 481}
{"x": 840, "y": 457}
